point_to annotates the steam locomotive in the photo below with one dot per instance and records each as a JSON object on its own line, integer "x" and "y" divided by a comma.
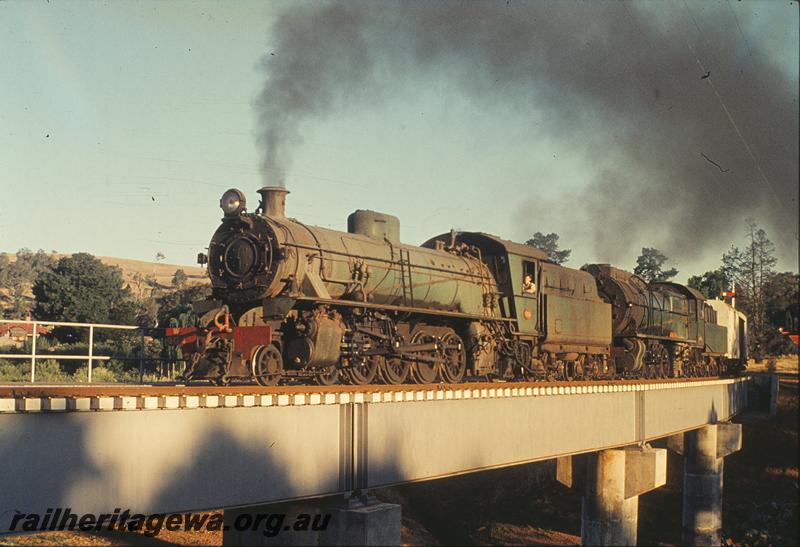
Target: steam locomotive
{"x": 293, "y": 302}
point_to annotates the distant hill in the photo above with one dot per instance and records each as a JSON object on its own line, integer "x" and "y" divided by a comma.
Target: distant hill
{"x": 136, "y": 272}
{"x": 161, "y": 271}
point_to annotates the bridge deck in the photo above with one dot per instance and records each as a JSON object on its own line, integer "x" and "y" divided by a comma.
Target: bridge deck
{"x": 66, "y": 397}
{"x": 158, "y": 451}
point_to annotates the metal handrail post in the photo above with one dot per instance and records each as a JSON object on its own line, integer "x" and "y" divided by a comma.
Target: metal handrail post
{"x": 33, "y": 354}
{"x": 141, "y": 359}
{"x": 91, "y": 348}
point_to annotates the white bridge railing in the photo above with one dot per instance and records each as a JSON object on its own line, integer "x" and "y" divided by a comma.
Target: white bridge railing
{"x": 89, "y": 358}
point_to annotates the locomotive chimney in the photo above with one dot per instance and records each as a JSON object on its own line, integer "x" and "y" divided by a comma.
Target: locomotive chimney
{"x": 273, "y": 201}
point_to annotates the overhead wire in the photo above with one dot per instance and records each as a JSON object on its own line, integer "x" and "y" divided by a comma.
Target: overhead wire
{"x": 725, "y": 109}
{"x": 644, "y": 35}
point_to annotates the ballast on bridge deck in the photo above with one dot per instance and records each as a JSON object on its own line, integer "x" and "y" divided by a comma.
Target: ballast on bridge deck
{"x": 170, "y": 449}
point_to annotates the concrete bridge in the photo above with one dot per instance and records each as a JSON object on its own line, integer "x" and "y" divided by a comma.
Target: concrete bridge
{"x": 163, "y": 450}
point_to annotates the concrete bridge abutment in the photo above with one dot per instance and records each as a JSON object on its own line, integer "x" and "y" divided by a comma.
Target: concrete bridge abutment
{"x": 704, "y": 451}
{"x": 612, "y": 481}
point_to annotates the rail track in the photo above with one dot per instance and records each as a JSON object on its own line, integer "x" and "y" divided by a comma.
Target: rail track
{"x": 157, "y": 390}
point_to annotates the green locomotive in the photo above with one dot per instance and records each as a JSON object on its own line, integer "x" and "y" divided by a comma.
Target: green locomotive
{"x": 661, "y": 329}
{"x": 296, "y": 302}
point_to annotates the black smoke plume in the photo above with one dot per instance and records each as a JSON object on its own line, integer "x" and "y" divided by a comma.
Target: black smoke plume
{"x": 688, "y": 139}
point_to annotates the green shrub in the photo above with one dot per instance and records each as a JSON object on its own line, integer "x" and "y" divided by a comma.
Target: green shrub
{"x": 51, "y": 371}
{"x": 15, "y": 372}
{"x": 100, "y": 374}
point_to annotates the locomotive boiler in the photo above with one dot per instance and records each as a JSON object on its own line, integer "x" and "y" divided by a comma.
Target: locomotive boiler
{"x": 323, "y": 303}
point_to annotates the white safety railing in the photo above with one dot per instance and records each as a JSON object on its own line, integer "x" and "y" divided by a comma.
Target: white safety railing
{"x": 90, "y": 357}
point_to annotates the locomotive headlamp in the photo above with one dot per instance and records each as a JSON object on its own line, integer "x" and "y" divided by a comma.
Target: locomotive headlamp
{"x": 232, "y": 202}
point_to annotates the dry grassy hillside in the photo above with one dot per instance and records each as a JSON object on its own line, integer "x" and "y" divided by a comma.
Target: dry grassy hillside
{"x": 139, "y": 275}
{"x": 136, "y": 271}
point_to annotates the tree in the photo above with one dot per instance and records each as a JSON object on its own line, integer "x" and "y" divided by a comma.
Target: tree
{"x": 175, "y": 307}
{"x": 549, "y": 244}
{"x": 650, "y": 263}
{"x": 711, "y": 284}
{"x": 5, "y": 267}
{"x": 146, "y": 312}
{"x": 17, "y": 276}
{"x": 31, "y": 264}
{"x": 5, "y": 263}
{"x": 82, "y": 289}
{"x": 750, "y": 270}
{"x": 782, "y": 300}
{"x": 179, "y": 279}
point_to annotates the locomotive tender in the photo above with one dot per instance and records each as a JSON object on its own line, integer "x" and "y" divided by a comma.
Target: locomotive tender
{"x": 297, "y": 302}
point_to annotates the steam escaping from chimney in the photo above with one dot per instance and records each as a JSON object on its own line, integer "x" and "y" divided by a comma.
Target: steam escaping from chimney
{"x": 320, "y": 58}
{"x": 687, "y": 137}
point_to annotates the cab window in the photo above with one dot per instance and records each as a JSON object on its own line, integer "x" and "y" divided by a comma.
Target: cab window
{"x": 528, "y": 278}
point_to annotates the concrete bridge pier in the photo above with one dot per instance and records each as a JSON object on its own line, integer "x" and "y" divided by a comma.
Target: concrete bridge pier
{"x": 357, "y": 520}
{"x": 613, "y": 480}
{"x": 703, "y": 451}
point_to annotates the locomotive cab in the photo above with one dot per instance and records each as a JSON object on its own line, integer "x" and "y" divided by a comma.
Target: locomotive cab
{"x": 515, "y": 267}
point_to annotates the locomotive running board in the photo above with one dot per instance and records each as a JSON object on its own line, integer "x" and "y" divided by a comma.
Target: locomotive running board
{"x": 645, "y": 336}
{"x": 442, "y": 313}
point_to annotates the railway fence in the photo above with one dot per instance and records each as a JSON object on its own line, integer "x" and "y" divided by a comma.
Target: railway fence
{"x": 39, "y": 328}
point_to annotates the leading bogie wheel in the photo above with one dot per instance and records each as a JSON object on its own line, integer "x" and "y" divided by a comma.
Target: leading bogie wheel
{"x": 327, "y": 377}
{"x": 267, "y": 365}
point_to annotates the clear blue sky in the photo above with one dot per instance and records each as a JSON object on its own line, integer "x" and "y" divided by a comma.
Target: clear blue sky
{"x": 121, "y": 123}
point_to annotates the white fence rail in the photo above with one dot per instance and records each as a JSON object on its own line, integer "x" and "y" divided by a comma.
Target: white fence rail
{"x": 89, "y": 358}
